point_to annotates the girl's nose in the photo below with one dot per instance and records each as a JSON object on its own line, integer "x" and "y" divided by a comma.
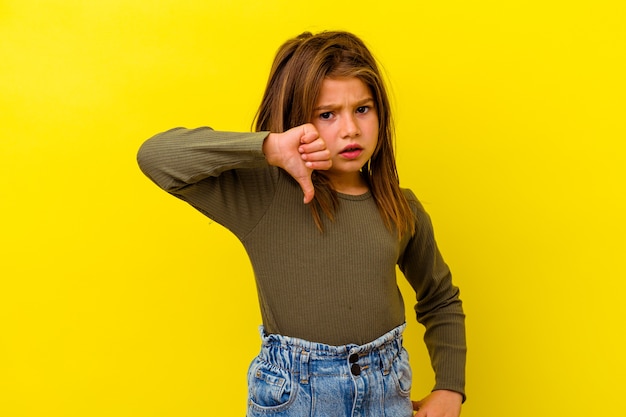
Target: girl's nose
{"x": 349, "y": 127}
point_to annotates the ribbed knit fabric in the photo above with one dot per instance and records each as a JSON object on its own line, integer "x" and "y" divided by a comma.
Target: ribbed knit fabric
{"x": 337, "y": 287}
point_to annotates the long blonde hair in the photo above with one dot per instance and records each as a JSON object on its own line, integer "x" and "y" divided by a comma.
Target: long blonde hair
{"x": 300, "y": 66}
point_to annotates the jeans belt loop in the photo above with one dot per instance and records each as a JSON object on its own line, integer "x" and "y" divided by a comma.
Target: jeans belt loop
{"x": 385, "y": 360}
{"x": 304, "y": 367}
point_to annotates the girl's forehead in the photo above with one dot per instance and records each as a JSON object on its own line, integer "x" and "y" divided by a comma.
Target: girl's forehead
{"x": 342, "y": 87}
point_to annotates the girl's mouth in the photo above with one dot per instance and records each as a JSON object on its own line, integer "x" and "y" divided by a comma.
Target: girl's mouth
{"x": 351, "y": 151}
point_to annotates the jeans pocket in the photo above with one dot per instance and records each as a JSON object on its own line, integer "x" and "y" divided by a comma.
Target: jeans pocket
{"x": 269, "y": 387}
{"x": 401, "y": 370}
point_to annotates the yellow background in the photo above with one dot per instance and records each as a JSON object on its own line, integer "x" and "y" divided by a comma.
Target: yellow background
{"x": 115, "y": 298}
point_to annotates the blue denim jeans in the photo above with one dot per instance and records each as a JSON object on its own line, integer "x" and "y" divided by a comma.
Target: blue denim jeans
{"x": 297, "y": 378}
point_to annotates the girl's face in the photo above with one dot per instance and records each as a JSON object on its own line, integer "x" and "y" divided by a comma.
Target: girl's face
{"x": 347, "y": 119}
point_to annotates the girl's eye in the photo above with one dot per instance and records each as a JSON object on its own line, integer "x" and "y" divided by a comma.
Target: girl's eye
{"x": 362, "y": 109}
{"x": 326, "y": 115}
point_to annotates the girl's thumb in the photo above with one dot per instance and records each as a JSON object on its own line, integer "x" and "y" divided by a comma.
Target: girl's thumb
{"x": 307, "y": 188}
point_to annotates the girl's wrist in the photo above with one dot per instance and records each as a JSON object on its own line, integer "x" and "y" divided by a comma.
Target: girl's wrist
{"x": 269, "y": 148}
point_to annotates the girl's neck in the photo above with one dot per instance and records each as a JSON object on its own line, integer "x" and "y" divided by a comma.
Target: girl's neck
{"x": 351, "y": 186}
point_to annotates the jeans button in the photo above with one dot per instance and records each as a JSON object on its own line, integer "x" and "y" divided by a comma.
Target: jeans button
{"x": 353, "y": 358}
{"x": 355, "y": 369}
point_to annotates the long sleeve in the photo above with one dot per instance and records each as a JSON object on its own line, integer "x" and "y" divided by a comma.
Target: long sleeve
{"x": 438, "y": 307}
{"x": 222, "y": 174}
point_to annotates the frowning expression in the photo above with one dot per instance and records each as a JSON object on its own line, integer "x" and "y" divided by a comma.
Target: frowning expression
{"x": 346, "y": 118}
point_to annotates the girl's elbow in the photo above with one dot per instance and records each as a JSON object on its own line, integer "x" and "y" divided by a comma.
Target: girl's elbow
{"x": 152, "y": 165}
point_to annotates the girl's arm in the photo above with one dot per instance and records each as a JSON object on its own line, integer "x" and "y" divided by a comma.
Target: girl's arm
{"x": 438, "y": 307}
{"x": 229, "y": 176}
{"x": 181, "y": 157}
{"x": 222, "y": 174}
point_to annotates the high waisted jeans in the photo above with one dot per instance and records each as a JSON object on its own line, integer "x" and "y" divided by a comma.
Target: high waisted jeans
{"x": 297, "y": 378}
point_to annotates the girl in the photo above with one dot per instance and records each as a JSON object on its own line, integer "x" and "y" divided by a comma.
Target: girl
{"x": 325, "y": 267}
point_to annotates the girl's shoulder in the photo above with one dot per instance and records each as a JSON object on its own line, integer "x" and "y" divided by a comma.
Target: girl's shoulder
{"x": 411, "y": 198}
{"x": 423, "y": 222}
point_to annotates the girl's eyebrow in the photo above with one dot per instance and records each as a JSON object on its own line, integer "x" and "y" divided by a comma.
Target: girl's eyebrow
{"x": 362, "y": 102}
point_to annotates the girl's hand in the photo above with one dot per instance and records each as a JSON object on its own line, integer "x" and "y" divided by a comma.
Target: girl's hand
{"x": 298, "y": 151}
{"x": 440, "y": 403}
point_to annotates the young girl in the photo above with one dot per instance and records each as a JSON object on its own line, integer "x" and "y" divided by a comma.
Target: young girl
{"x": 325, "y": 265}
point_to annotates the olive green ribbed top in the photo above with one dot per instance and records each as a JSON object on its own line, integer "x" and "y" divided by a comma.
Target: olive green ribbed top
{"x": 337, "y": 287}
